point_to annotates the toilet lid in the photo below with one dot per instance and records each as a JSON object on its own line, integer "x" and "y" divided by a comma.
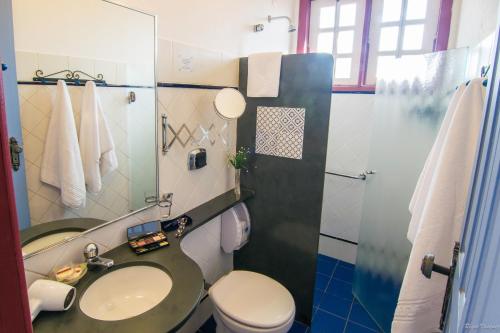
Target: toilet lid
{"x": 253, "y": 299}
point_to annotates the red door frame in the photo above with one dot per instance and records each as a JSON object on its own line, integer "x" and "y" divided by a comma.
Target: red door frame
{"x": 14, "y": 307}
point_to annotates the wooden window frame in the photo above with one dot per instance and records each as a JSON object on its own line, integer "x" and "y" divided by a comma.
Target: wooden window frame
{"x": 440, "y": 42}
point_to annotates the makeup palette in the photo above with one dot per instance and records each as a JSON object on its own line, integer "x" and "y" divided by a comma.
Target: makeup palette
{"x": 146, "y": 237}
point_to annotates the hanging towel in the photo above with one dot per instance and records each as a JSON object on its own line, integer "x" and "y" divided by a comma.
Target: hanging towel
{"x": 96, "y": 143}
{"x": 442, "y": 212}
{"x": 264, "y": 74}
{"x": 424, "y": 181}
{"x": 62, "y": 163}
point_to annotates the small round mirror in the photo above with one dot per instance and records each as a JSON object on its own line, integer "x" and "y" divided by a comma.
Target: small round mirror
{"x": 230, "y": 103}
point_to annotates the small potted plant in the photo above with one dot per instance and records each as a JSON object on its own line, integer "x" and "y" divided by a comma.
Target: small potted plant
{"x": 239, "y": 162}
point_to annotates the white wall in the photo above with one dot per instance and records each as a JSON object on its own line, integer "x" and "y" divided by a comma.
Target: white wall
{"x": 473, "y": 25}
{"x": 85, "y": 29}
{"x": 223, "y": 25}
{"x": 190, "y": 64}
{"x": 348, "y": 148}
{"x": 193, "y": 123}
{"x": 472, "y": 21}
{"x": 93, "y": 36}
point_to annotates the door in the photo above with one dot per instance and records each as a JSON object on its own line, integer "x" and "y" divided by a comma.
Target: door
{"x": 7, "y": 58}
{"x": 14, "y": 313}
{"x": 475, "y": 296}
{"x": 411, "y": 99}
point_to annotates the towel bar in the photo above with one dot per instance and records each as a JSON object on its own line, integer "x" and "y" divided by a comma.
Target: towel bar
{"x": 361, "y": 176}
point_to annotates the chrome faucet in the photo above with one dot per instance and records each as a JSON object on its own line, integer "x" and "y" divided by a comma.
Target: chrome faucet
{"x": 90, "y": 252}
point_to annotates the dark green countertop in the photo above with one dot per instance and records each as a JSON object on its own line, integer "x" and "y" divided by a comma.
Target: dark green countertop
{"x": 174, "y": 310}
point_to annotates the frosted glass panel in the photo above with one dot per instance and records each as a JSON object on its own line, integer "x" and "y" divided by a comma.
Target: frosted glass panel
{"x": 388, "y": 39}
{"x": 325, "y": 42}
{"x": 384, "y": 66}
{"x": 416, "y": 9}
{"x": 391, "y": 11}
{"x": 347, "y": 15}
{"x": 343, "y": 68}
{"x": 413, "y": 37}
{"x": 411, "y": 99}
{"x": 327, "y": 17}
{"x": 345, "y": 41}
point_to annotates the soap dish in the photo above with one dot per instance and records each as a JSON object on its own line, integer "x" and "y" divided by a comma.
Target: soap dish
{"x": 70, "y": 274}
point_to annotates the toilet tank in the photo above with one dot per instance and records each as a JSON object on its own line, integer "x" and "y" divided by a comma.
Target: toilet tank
{"x": 235, "y": 228}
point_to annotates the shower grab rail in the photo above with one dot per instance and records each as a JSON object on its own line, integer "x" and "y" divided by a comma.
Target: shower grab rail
{"x": 361, "y": 176}
{"x": 164, "y": 133}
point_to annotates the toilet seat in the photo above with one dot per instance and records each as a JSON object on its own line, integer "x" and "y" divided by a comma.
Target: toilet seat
{"x": 252, "y": 300}
{"x": 236, "y": 327}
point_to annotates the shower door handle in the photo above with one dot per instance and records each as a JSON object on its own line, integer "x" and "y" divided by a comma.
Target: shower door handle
{"x": 428, "y": 266}
{"x": 369, "y": 172}
{"x": 164, "y": 129}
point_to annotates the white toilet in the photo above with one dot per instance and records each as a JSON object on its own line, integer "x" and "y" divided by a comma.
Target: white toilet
{"x": 244, "y": 301}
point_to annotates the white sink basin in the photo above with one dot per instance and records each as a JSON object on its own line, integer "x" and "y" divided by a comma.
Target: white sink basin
{"x": 125, "y": 293}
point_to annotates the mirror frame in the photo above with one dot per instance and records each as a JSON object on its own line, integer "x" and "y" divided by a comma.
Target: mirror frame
{"x": 155, "y": 65}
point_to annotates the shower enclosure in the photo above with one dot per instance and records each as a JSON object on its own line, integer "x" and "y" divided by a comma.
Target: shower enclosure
{"x": 411, "y": 99}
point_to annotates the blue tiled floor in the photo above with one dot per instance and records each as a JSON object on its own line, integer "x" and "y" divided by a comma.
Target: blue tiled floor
{"x": 335, "y": 309}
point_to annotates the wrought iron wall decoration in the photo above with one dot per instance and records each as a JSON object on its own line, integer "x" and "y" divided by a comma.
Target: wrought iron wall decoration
{"x": 71, "y": 77}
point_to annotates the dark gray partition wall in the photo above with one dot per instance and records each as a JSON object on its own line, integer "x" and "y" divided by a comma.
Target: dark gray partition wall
{"x": 286, "y": 209}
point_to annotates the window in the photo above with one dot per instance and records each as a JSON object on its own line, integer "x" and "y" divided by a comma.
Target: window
{"x": 395, "y": 28}
{"x": 337, "y": 28}
{"x": 400, "y": 28}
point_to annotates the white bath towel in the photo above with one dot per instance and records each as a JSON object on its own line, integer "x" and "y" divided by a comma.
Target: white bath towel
{"x": 442, "y": 214}
{"x": 96, "y": 143}
{"x": 61, "y": 163}
{"x": 424, "y": 181}
{"x": 264, "y": 74}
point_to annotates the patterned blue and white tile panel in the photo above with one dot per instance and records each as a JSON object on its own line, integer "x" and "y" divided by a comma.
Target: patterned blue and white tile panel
{"x": 280, "y": 131}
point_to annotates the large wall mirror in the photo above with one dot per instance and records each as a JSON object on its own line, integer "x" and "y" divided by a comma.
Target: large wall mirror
{"x": 114, "y": 47}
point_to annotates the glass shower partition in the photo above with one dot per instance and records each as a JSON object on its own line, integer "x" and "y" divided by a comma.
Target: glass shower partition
{"x": 411, "y": 99}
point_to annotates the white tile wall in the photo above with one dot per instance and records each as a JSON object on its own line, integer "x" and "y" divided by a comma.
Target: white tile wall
{"x": 165, "y": 61}
{"x": 203, "y": 246}
{"x": 177, "y": 63}
{"x": 350, "y": 131}
{"x": 337, "y": 249}
{"x": 44, "y": 200}
{"x": 191, "y": 113}
{"x": 182, "y": 63}
{"x": 50, "y": 63}
{"x": 348, "y": 150}
{"x": 342, "y": 207}
{"x": 27, "y": 63}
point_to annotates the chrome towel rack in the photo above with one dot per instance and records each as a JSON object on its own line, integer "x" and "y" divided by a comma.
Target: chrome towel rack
{"x": 361, "y": 176}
